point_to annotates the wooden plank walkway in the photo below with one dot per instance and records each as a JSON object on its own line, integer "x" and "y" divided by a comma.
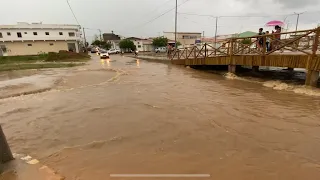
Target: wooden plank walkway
{"x": 287, "y": 52}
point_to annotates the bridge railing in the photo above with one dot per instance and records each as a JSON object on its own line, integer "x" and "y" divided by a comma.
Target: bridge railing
{"x": 303, "y": 42}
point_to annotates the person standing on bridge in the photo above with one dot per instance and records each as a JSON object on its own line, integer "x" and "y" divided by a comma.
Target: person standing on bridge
{"x": 260, "y": 39}
{"x": 169, "y": 51}
{"x": 277, "y": 37}
{"x": 268, "y": 41}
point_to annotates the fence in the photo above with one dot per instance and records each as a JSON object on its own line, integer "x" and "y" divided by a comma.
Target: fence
{"x": 298, "y": 42}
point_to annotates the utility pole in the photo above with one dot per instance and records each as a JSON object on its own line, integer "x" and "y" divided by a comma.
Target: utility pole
{"x": 176, "y": 24}
{"x": 84, "y": 36}
{"x": 215, "y": 34}
{"x": 298, "y": 16}
{"x": 100, "y": 34}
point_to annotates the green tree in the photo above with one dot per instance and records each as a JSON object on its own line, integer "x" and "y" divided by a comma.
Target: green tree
{"x": 160, "y": 42}
{"x": 246, "y": 41}
{"x": 106, "y": 45}
{"x": 96, "y": 43}
{"x": 127, "y": 44}
{"x": 178, "y": 44}
{"x": 102, "y": 44}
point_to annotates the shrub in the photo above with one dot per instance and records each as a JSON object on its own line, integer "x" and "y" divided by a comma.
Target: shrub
{"x": 66, "y": 55}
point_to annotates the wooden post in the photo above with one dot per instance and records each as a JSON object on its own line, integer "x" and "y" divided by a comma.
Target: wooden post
{"x": 232, "y": 66}
{"x": 313, "y": 75}
{"x": 205, "y": 53}
{"x": 186, "y": 53}
{"x": 5, "y": 152}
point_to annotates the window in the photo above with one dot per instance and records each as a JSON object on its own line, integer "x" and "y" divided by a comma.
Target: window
{"x": 8, "y": 33}
{"x": 1, "y": 35}
{"x": 71, "y": 34}
{"x": 139, "y": 46}
{"x": 19, "y": 34}
{"x": 35, "y": 33}
{"x": 47, "y": 33}
{"x": 138, "y": 42}
{"x": 51, "y": 44}
{"x": 29, "y": 44}
{"x": 25, "y": 33}
{"x": 189, "y": 37}
{"x": 60, "y": 33}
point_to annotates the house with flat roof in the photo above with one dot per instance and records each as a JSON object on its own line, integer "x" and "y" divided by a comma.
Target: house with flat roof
{"x": 186, "y": 39}
{"x": 142, "y": 45}
{"x": 31, "y": 39}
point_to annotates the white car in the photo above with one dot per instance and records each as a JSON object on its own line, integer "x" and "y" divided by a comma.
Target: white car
{"x": 114, "y": 51}
{"x": 160, "y": 50}
{"x": 104, "y": 55}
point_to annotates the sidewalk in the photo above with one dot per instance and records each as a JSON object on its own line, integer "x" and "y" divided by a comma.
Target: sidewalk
{"x": 27, "y": 168}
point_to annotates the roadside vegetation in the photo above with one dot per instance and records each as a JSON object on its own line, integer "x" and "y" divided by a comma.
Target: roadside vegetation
{"x": 50, "y": 60}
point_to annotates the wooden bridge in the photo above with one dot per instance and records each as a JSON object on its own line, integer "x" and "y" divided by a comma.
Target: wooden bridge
{"x": 298, "y": 49}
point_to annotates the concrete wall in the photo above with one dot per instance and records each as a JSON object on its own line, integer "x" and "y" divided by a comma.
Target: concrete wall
{"x": 27, "y": 32}
{"x": 24, "y": 48}
{"x": 186, "y": 39}
{"x": 143, "y": 46}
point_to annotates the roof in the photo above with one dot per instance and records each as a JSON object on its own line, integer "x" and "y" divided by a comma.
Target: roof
{"x": 24, "y": 25}
{"x": 212, "y": 40}
{"x": 134, "y": 38}
{"x": 185, "y": 32}
{"x": 247, "y": 34}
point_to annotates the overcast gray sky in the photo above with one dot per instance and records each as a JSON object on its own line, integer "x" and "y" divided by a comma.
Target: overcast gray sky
{"x": 134, "y": 17}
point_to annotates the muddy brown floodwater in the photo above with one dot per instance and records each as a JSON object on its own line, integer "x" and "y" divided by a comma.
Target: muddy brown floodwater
{"x": 127, "y": 116}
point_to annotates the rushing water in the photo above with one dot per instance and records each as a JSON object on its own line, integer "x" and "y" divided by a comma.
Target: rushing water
{"x": 127, "y": 116}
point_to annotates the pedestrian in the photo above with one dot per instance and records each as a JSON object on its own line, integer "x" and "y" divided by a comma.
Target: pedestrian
{"x": 268, "y": 41}
{"x": 169, "y": 51}
{"x": 277, "y": 37}
{"x": 260, "y": 39}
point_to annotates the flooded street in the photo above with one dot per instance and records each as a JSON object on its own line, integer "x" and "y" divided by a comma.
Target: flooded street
{"x": 127, "y": 116}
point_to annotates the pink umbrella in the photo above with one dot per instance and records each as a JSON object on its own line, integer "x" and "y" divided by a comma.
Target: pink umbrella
{"x": 275, "y": 23}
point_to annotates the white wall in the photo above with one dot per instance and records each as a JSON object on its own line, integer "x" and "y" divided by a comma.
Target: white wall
{"x": 53, "y": 34}
{"x": 27, "y": 30}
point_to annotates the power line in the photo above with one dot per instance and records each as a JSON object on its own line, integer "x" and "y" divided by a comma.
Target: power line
{"x": 291, "y": 14}
{"x": 166, "y": 12}
{"x": 192, "y": 14}
{"x": 73, "y": 12}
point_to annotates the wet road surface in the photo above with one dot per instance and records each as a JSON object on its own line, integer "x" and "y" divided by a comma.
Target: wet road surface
{"x": 126, "y": 116}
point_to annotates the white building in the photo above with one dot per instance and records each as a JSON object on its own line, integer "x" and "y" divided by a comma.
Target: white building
{"x": 186, "y": 39}
{"x": 142, "y": 45}
{"x": 35, "y": 38}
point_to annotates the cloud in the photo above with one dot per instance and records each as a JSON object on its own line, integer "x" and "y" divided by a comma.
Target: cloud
{"x": 130, "y": 17}
{"x": 293, "y": 4}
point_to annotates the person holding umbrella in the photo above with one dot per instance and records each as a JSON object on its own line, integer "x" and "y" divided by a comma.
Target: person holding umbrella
{"x": 277, "y": 37}
{"x": 276, "y": 34}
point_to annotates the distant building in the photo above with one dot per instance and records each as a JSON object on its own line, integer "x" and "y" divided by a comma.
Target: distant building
{"x": 142, "y": 45}
{"x": 113, "y": 39}
{"x": 30, "y": 39}
{"x": 186, "y": 39}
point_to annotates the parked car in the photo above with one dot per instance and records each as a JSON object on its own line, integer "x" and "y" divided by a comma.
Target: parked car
{"x": 160, "y": 49}
{"x": 104, "y": 54}
{"x": 99, "y": 50}
{"x": 94, "y": 50}
{"x": 114, "y": 51}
